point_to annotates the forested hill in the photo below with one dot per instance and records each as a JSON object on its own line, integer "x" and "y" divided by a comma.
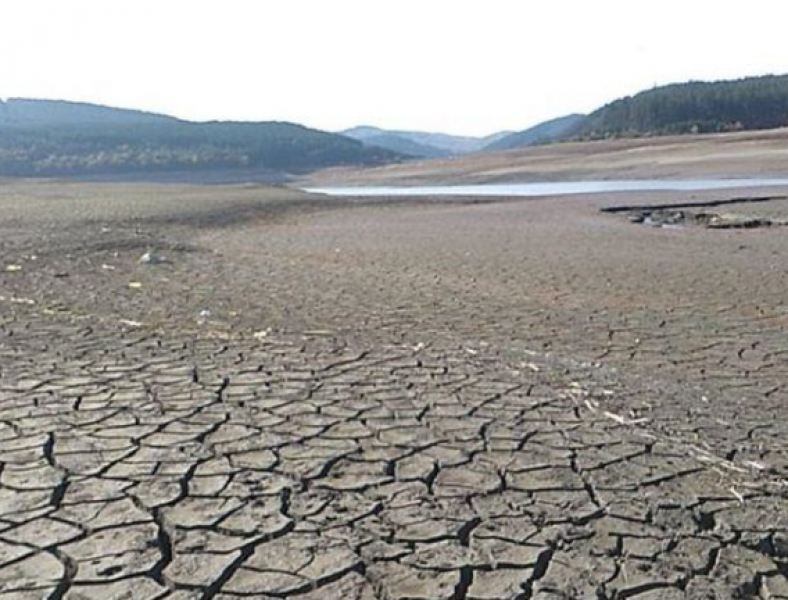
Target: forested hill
{"x": 53, "y": 139}
{"x": 543, "y": 133}
{"x": 695, "y": 107}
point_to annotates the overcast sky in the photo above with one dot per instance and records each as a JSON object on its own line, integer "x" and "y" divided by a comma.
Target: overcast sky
{"x": 460, "y": 66}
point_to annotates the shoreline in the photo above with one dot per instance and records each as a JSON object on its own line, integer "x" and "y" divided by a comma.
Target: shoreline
{"x": 735, "y": 155}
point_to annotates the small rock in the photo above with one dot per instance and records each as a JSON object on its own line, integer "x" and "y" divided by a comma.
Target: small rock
{"x": 637, "y": 218}
{"x": 675, "y": 218}
{"x": 130, "y": 323}
{"x": 736, "y": 222}
{"x": 151, "y": 257}
{"x": 779, "y": 544}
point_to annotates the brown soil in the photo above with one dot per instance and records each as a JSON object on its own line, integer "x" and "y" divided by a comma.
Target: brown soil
{"x": 328, "y": 399}
{"x": 750, "y": 154}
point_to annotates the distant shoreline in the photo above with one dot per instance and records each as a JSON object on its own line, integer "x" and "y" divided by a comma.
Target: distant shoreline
{"x": 741, "y": 155}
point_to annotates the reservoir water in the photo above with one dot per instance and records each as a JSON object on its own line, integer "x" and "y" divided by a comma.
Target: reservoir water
{"x": 552, "y": 188}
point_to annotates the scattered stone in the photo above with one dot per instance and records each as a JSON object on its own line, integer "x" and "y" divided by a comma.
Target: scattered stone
{"x": 130, "y": 323}
{"x": 637, "y": 217}
{"x": 354, "y": 462}
{"x": 726, "y": 221}
{"x": 151, "y": 257}
{"x": 662, "y": 217}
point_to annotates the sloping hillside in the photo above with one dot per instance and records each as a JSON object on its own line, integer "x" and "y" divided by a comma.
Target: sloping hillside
{"x": 543, "y": 133}
{"x": 696, "y": 107}
{"x": 45, "y": 138}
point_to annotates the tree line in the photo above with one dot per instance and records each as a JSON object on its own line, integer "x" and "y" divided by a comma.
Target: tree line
{"x": 695, "y": 107}
{"x": 31, "y": 150}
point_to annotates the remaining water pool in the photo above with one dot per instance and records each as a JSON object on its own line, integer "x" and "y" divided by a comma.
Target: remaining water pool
{"x": 559, "y": 188}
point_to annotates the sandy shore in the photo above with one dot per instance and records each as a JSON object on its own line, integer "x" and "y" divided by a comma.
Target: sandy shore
{"x": 748, "y": 154}
{"x": 316, "y": 398}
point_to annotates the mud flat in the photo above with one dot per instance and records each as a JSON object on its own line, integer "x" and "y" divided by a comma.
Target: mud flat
{"x": 732, "y": 155}
{"x": 294, "y": 396}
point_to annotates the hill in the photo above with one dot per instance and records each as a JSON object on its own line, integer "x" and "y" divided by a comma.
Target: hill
{"x": 57, "y": 139}
{"x": 753, "y": 103}
{"x": 543, "y": 133}
{"x": 429, "y": 145}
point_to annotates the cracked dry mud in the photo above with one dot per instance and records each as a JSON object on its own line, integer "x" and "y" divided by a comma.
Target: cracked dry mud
{"x": 515, "y": 400}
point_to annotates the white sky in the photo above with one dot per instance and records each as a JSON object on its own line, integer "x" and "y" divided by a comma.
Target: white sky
{"x": 461, "y": 66}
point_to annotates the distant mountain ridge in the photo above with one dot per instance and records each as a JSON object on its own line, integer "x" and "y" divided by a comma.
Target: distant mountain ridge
{"x": 372, "y": 136}
{"x": 46, "y": 138}
{"x": 423, "y": 144}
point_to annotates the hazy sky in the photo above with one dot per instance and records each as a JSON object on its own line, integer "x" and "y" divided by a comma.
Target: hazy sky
{"x": 461, "y": 66}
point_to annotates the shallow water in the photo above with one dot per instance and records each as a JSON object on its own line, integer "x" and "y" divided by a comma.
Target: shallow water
{"x": 559, "y": 188}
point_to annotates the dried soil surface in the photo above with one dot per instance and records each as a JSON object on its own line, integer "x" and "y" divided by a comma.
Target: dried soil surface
{"x": 743, "y": 154}
{"x": 320, "y": 399}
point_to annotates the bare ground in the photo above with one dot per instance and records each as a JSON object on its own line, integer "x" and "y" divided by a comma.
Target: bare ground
{"x": 523, "y": 399}
{"x": 747, "y": 154}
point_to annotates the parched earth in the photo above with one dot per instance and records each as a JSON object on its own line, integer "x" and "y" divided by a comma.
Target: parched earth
{"x": 746, "y": 154}
{"x": 296, "y": 398}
